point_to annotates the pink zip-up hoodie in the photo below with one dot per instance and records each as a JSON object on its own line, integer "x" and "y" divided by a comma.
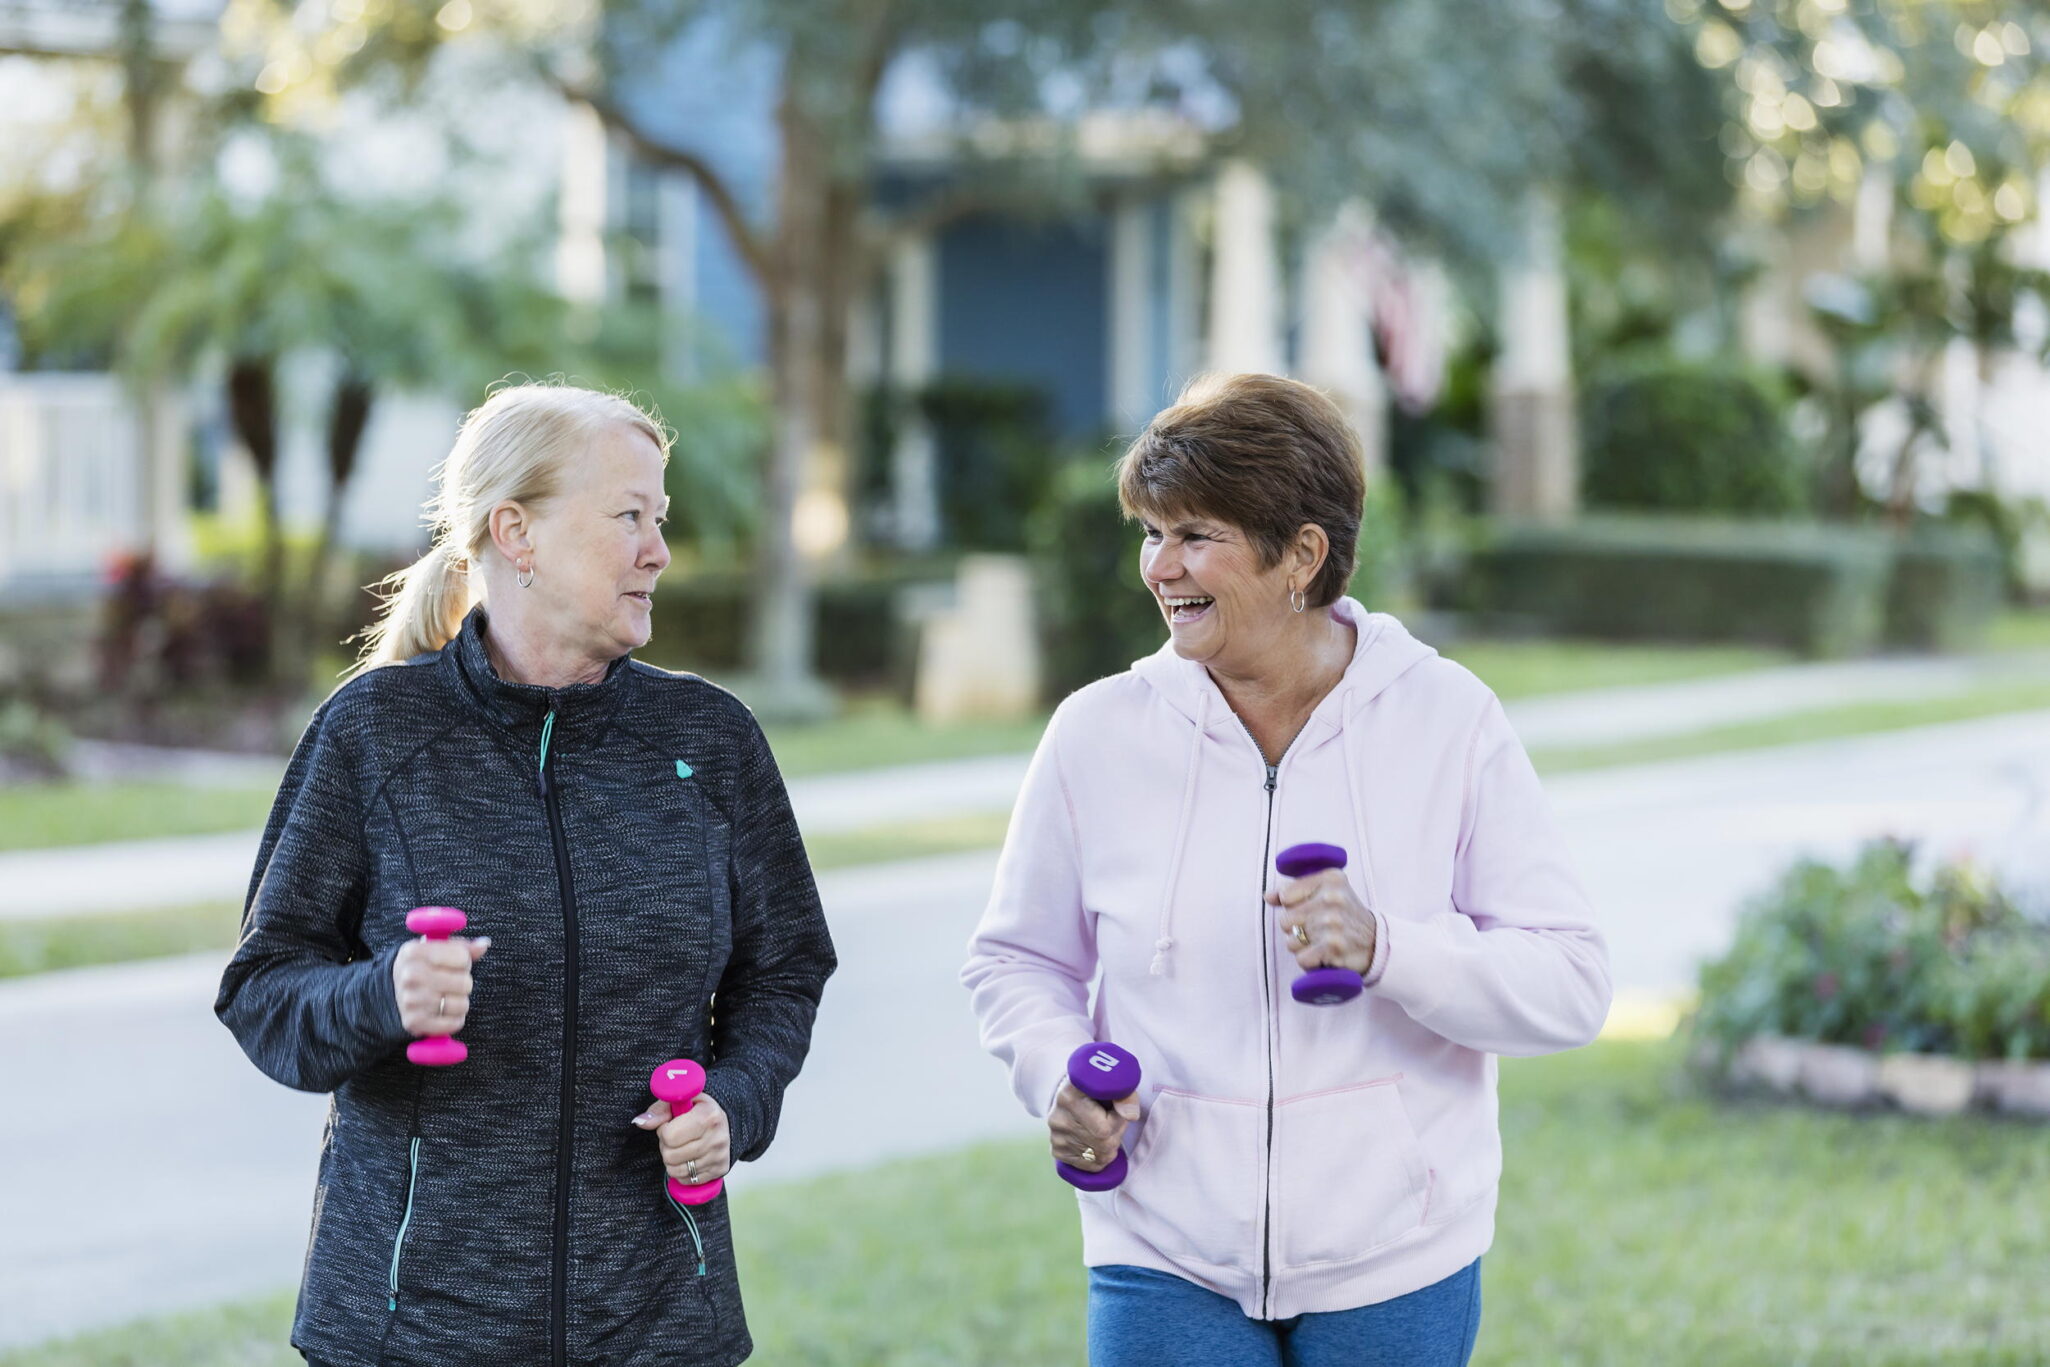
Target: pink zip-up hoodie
{"x": 1294, "y": 1158}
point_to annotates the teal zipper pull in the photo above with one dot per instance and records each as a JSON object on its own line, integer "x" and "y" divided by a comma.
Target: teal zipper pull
{"x": 412, "y": 1180}
{"x": 696, "y": 1239}
{"x": 547, "y": 730}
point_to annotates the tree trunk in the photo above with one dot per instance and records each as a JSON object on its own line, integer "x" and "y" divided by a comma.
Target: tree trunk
{"x": 813, "y": 272}
{"x": 253, "y": 409}
{"x": 348, "y": 417}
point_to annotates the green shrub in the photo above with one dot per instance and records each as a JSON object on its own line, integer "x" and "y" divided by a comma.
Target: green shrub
{"x": 1674, "y": 435}
{"x": 1095, "y": 617}
{"x": 1875, "y": 956}
{"x": 996, "y": 456}
{"x": 1808, "y": 587}
{"x": 1946, "y": 589}
{"x": 862, "y": 637}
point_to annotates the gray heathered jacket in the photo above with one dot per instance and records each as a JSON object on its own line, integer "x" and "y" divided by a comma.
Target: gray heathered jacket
{"x": 631, "y": 859}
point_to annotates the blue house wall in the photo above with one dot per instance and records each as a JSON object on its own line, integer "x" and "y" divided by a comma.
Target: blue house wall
{"x": 1027, "y": 303}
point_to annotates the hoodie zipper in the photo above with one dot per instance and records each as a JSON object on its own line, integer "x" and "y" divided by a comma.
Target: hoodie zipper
{"x": 566, "y": 1107}
{"x": 1266, "y": 1018}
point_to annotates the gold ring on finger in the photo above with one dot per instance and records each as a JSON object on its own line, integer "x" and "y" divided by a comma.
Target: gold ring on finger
{"x": 1089, "y": 1155}
{"x": 690, "y": 1169}
{"x": 1302, "y": 937}
{"x": 441, "y": 1005}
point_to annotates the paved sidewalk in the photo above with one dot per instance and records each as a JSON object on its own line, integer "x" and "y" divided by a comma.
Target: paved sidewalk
{"x": 139, "y": 875}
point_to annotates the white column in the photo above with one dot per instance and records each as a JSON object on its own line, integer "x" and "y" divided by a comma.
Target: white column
{"x": 1130, "y": 264}
{"x": 1536, "y": 460}
{"x": 1245, "y": 274}
{"x": 1337, "y": 341}
{"x": 581, "y": 216}
{"x": 914, "y": 355}
{"x": 1187, "y": 344}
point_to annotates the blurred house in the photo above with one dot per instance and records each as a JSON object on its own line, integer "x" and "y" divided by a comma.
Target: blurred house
{"x": 1159, "y": 262}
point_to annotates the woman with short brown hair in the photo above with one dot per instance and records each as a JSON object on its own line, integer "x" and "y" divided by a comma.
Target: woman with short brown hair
{"x": 1309, "y": 1184}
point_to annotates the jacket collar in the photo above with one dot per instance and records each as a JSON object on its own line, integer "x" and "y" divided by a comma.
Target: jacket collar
{"x": 519, "y": 706}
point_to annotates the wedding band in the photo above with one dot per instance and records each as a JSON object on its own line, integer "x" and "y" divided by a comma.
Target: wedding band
{"x": 1302, "y": 937}
{"x": 441, "y": 1005}
{"x": 690, "y": 1169}
{"x": 1089, "y": 1155}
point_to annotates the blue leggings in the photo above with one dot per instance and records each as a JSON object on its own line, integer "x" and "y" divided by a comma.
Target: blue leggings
{"x": 1142, "y": 1318}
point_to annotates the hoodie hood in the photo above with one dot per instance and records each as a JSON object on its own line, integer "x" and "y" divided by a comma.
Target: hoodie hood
{"x": 1382, "y": 653}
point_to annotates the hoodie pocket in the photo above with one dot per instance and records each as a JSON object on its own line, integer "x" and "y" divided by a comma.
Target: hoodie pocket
{"x": 1195, "y": 1184}
{"x": 1349, "y": 1173}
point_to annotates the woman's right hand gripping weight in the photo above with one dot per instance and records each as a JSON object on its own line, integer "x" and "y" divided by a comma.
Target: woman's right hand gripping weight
{"x": 431, "y": 979}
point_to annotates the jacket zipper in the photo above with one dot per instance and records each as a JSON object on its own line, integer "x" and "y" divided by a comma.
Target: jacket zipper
{"x": 566, "y": 1110}
{"x": 399, "y": 1241}
{"x": 1266, "y": 1021}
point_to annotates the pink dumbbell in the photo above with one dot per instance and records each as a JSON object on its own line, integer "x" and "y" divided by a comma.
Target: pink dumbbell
{"x": 436, "y": 923}
{"x": 678, "y": 1082}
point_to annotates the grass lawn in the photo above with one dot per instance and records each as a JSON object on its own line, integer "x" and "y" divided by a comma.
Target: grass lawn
{"x": 1856, "y": 719}
{"x": 45, "y": 944}
{"x": 40, "y": 815}
{"x": 2020, "y": 629}
{"x": 1527, "y": 669}
{"x": 1641, "y": 1222}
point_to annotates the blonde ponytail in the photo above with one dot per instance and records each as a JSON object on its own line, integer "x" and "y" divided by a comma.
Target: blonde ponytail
{"x": 518, "y": 446}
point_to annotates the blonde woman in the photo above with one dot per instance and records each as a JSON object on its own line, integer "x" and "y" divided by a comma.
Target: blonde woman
{"x": 620, "y": 841}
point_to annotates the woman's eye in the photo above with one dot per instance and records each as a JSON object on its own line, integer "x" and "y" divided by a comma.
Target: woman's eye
{"x": 1153, "y": 533}
{"x": 631, "y": 515}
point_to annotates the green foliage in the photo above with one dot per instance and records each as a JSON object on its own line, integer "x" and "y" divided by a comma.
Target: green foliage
{"x": 33, "y": 743}
{"x": 864, "y": 637}
{"x": 1096, "y": 618}
{"x": 1946, "y": 588}
{"x": 1807, "y": 587}
{"x": 1878, "y": 956}
{"x": 1667, "y": 434}
{"x": 996, "y": 459}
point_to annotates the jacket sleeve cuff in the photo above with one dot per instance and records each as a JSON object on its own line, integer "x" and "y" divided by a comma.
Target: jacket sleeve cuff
{"x": 374, "y": 1003}
{"x": 1379, "y": 965}
{"x": 734, "y": 1092}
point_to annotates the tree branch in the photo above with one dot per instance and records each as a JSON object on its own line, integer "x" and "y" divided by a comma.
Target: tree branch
{"x": 747, "y": 237}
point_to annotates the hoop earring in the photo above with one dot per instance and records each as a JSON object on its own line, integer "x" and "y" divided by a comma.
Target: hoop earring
{"x": 524, "y": 577}
{"x": 1296, "y": 599}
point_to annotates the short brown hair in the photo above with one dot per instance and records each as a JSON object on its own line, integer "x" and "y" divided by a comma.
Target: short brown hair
{"x": 1263, "y": 453}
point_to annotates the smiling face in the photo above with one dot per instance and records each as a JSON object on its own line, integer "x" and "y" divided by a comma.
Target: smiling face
{"x": 1222, "y": 606}
{"x": 597, "y": 549}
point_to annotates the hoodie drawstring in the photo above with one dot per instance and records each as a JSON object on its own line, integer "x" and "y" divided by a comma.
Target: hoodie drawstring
{"x": 1164, "y": 943}
{"x": 1359, "y": 806}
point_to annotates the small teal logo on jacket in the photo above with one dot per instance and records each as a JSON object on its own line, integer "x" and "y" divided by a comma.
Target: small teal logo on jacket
{"x": 683, "y": 770}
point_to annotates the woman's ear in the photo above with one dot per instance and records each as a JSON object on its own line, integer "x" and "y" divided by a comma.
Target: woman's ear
{"x": 1308, "y": 553}
{"x": 510, "y": 527}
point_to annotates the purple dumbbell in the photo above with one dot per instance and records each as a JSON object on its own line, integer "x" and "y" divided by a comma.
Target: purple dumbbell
{"x": 1319, "y": 986}
{"x": 1109, "y": 1075}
